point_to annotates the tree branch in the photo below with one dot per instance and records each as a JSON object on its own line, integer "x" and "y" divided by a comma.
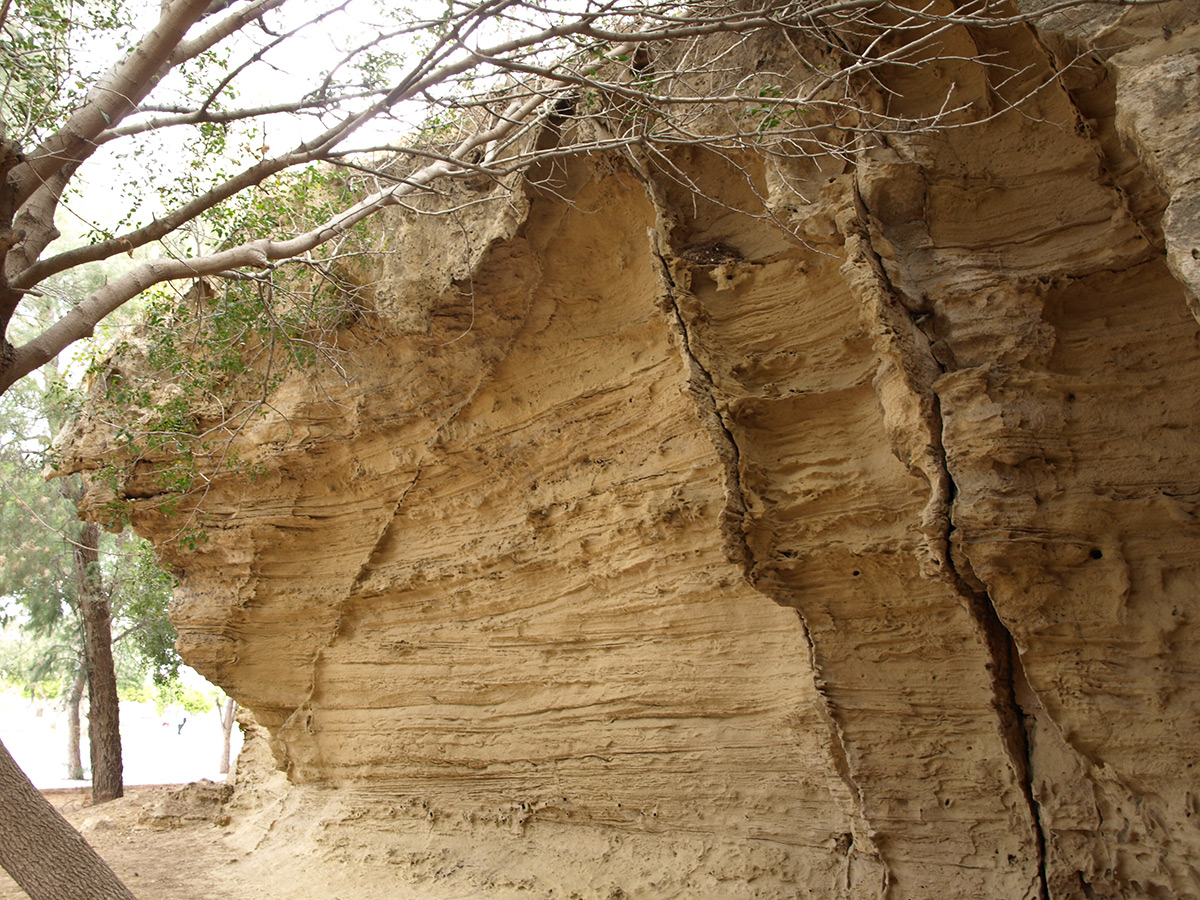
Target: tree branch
{"x": 112, "y": 99}
{"x": 207, "y": 116}
{"x": 80, "y": 322}
{"x": 231, "y": 24}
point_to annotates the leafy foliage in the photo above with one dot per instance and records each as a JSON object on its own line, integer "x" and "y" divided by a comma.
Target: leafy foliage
{"x": 140, "y": 593}
{"x": 39, "y": 579}
{"x": 174, "y": 693}
{"x": 44, "y": 60}
{"x": 36, "y": 570}
{"x": 202, "y": 364}
{"x": 40, "y": 665}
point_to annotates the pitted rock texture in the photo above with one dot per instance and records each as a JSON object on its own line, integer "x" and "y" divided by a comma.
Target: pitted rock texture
{"x": 817, "y": 527}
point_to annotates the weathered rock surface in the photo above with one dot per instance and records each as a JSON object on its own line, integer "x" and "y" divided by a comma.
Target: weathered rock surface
{"x": 675, "y": 549}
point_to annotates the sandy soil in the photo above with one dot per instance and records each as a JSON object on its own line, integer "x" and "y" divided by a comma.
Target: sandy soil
{"x": 177, "y": 843}
{"x": 164, "y": 841}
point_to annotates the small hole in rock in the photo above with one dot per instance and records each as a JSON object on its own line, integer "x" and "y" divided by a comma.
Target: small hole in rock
{"x": 1096, "y": 553}
{"x": 857, "y": 573}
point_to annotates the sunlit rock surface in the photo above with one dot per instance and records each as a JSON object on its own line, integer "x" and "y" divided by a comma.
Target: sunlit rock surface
{"x": 830, "y": 532}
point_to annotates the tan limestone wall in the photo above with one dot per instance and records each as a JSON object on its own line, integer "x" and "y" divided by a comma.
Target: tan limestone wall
{"x": 756, "y": 525}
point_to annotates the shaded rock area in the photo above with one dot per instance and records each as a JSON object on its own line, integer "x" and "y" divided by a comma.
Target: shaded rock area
{"x": 762, "y": 525}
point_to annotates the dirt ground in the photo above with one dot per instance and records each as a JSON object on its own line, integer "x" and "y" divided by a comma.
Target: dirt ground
{"x": 163, "y": 841}
{"x": 178, "y": 842}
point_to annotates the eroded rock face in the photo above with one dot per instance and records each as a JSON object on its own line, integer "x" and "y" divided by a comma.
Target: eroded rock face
{"x": 849, "y": 551}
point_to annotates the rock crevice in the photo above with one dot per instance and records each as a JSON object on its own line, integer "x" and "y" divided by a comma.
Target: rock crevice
{"x": 905, "y": 347}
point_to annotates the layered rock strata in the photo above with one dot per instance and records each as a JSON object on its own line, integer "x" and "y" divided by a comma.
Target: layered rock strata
{"x": 827, "y": 524}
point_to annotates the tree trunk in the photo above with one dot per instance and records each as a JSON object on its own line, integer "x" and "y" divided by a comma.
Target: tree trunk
{"x": 74, "y": 698}
{"x": 104, "y": 728}
{"x": 42, "y": 852}
{"x": 227, "y": 727}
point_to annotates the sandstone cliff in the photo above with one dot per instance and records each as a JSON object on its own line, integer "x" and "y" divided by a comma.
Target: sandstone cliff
{"x": 768, "y": 526}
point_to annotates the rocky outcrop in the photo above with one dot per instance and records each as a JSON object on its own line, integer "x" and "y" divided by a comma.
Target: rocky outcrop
{"x": 756, "y": 526}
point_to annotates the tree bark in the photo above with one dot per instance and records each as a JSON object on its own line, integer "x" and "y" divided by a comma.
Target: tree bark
{"x": 104, "y": 728}
{"x": 74, "y": 698}
{"x": 227, "y": 727}
{"x": 42, "y": 852}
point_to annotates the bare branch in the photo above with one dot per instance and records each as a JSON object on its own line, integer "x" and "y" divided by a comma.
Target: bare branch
{"x": 206, "y": 115}
{"x": 231, "y": 24}
{"x": 255, "y": 57}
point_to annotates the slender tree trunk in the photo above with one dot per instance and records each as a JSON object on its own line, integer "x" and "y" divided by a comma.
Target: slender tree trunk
{"x": 104, "y": 728}
{"x": 227, "y": 727}
{"x": 42, "y": 852}
{"x": 74, "y": 698}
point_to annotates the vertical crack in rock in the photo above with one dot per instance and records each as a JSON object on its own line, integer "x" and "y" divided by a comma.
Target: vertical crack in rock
{"x": 703, "y": 389}
{"x": 1006, "y": 671}
{"x": 910, "y": 368}
{"x": 700, "y": 383}
{"x": 860, "y": 843}
{"x": 738, "y": 551}
{"x": 300, "y": 718}
{"x": 1116, "y": 167}
{"x": 841, "y": 762}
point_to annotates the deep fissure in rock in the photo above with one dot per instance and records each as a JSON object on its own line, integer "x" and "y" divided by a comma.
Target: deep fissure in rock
{"x": 1002, "y": 651}
{"x": 733, "y": 527}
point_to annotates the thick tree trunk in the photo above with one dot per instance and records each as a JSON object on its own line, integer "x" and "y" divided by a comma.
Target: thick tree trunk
{"x": 74, "y": 698}
{"x": 227, "y": 727}
{"x": 104, "y": 728}
{"x": 42, "y": 852}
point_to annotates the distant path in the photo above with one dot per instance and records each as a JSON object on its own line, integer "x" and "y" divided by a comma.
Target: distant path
{"x": 154, "y": 752}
